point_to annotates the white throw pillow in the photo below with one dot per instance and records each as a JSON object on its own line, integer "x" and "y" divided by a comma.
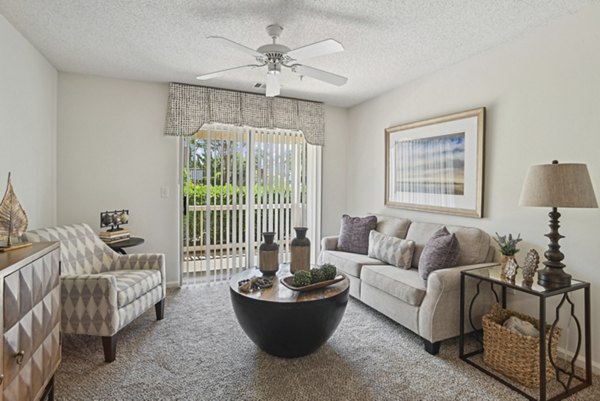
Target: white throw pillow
{"x": 392, "y": 250}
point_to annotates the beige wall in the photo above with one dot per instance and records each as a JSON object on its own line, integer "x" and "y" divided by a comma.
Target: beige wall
{"x": 112, "y": 154}
{"x": 542, "y": 94}
{"x": 28, "y": 125}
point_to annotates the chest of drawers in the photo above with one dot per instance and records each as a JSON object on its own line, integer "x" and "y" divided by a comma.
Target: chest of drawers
{"x": 30, "y": 321}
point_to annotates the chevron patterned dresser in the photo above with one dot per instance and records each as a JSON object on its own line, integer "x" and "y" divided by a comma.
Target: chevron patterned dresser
{"x": 30, "y": 322}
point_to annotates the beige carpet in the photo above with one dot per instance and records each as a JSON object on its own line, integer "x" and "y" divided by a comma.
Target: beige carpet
{"x": 199, "y": 352}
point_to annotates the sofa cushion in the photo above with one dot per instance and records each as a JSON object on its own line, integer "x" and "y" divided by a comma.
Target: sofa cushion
{"x": 392, "y": 250}
{"x": 392, "y": 226}
{"x": 349, "y": 263}
{"x": 354, "y": 233}
{"x": 474, "y": 243}
{"x": 441, "y": 251}
{"x": 132, "y": 284}
{"x": 399, "y": 283}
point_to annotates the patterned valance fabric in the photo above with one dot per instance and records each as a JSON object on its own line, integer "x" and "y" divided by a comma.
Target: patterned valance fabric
{"x": 190, "y": 107}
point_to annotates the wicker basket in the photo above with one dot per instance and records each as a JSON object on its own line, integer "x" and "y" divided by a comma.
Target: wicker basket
{"x": 512, "y": 354}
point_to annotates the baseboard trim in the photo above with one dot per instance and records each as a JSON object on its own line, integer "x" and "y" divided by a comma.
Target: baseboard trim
{"x": 580, "y": 361}
{"x": 173, "y": 284}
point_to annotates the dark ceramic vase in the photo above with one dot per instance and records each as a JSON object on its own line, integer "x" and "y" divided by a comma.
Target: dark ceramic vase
{"x": 300, "y": 249}
{"x": 268, "y": 255}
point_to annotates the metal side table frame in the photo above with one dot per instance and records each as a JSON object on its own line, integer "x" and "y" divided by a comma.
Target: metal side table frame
{"x": 565, "y": 377}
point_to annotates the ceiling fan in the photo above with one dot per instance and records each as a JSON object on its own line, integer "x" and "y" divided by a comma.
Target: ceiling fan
{"x": 274, "y": 56}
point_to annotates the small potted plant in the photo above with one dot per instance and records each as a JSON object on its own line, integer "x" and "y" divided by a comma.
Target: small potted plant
{"x": 508, "y": 248}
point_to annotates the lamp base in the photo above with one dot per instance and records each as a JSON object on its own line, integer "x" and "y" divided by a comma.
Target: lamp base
{"x": 553, "y": 278}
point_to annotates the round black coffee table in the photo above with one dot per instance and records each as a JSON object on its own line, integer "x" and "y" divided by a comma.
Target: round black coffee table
{"x": 284, "y": 322}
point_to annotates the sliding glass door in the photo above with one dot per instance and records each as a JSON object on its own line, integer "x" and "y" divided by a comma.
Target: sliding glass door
{"x": 238, "y": 183}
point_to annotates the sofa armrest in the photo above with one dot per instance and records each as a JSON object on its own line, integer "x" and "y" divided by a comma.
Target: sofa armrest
{"x": 439, "y": 313}
{"x": 449, "y": 279}
{"x": 98, "y": 292}
{"x": 329, "y": 243}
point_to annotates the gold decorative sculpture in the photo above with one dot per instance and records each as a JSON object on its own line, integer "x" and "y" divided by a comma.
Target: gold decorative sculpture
{"x": 13, "y": 220}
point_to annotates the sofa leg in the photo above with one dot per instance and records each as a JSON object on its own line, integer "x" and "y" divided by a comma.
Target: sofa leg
{"x": 160, "y": 309}
{"x": 110, "y": 348}
{"x": 432, "y": 348}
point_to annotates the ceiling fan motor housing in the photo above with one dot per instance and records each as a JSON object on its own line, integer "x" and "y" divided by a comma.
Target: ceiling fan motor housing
{"x": 274, "y": 52}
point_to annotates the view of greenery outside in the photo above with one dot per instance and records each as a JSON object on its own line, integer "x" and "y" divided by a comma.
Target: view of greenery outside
{"x": 227, "y": 164}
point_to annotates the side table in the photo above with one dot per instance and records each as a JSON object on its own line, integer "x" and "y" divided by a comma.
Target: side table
{"x": 118, "y": 246}
{"x": 569, "y": 381}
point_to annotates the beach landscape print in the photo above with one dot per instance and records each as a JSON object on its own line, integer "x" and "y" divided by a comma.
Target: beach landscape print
{"x": 431, "y": 165}
{"x": 436, "y": 165}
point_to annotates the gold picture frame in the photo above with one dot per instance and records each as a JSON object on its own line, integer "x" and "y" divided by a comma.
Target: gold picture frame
{"x": 436, "y": 165}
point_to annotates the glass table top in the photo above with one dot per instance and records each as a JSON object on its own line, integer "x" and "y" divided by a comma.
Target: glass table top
{"x": 494, "y": 274}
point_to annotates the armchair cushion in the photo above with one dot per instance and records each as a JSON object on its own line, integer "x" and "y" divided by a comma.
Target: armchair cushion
{"x": 132, "y": 284}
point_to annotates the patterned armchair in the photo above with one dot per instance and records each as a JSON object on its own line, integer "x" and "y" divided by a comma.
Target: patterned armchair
{"x": 101, "y": 290}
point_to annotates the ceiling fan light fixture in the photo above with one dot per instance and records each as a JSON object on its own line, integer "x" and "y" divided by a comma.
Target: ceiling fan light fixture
{"x": 274, "y": 68}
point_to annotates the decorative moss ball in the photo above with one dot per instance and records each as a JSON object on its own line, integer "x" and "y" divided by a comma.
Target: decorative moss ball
{"x": 329, "y": 271}
{"x": 317, "y": 275}
{"x": 302, "y": 278}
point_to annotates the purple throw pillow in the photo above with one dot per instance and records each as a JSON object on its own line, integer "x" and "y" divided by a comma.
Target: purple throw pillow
{"x": 354, "y": 233}
{"x": 440, "y": 252}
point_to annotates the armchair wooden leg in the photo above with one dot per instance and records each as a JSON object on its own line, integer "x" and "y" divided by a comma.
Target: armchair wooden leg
{"x": 110, "y": 348}
{"x": 432, "y": 348}
{"x": 160, "y": 309}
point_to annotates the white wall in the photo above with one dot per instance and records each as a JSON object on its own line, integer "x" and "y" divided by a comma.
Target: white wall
{"x": 113, "y": 154}
{"x": 28, "y": 125}
{"x": 542, "y": 94}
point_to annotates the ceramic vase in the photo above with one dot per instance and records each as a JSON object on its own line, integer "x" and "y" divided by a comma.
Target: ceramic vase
{"x": 268, "y": 255}
{"x": 300, "y": 249}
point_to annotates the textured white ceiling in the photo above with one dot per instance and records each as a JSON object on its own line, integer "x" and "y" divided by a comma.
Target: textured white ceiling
{"x": 387, "y": 43}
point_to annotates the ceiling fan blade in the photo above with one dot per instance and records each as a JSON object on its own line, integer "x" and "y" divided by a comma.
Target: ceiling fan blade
{"x": 273, "y": 87}
{"x": 237, "y": 46}
{"x": 327, "y": 46}
{"x": 216, "y": 74}
{"x": 321, "y": 75}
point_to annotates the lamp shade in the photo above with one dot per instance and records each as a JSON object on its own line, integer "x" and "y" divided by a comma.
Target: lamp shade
{"x": 558, "y": 185}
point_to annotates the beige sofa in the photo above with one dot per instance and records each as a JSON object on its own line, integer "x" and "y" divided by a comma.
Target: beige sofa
{"x": 430, "y": 309}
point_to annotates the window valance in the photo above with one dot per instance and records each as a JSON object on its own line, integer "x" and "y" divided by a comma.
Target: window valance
{"x": 190, "y": 107}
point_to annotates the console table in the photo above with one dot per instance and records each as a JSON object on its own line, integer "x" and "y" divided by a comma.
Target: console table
{"x": 568, "y": 380}
{"x": 30, "y": 321}
{"x": 285, "y": 322}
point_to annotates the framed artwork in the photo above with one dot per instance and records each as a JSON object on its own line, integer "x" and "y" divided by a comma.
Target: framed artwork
{"x": 436, "y": 165}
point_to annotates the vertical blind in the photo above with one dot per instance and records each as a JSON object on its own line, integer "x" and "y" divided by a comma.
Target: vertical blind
{"x": 238, "y": 183}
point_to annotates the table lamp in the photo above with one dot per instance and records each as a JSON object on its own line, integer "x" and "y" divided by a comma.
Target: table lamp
{"x": 557, "y": 185}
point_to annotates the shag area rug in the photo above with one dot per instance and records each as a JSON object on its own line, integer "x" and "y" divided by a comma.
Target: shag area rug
{"x": 199, "y": 352}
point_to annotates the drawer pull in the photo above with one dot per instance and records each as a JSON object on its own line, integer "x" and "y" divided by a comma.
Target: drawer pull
{"x": 19, "y": 357}
{"x": 1, "y": 378}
